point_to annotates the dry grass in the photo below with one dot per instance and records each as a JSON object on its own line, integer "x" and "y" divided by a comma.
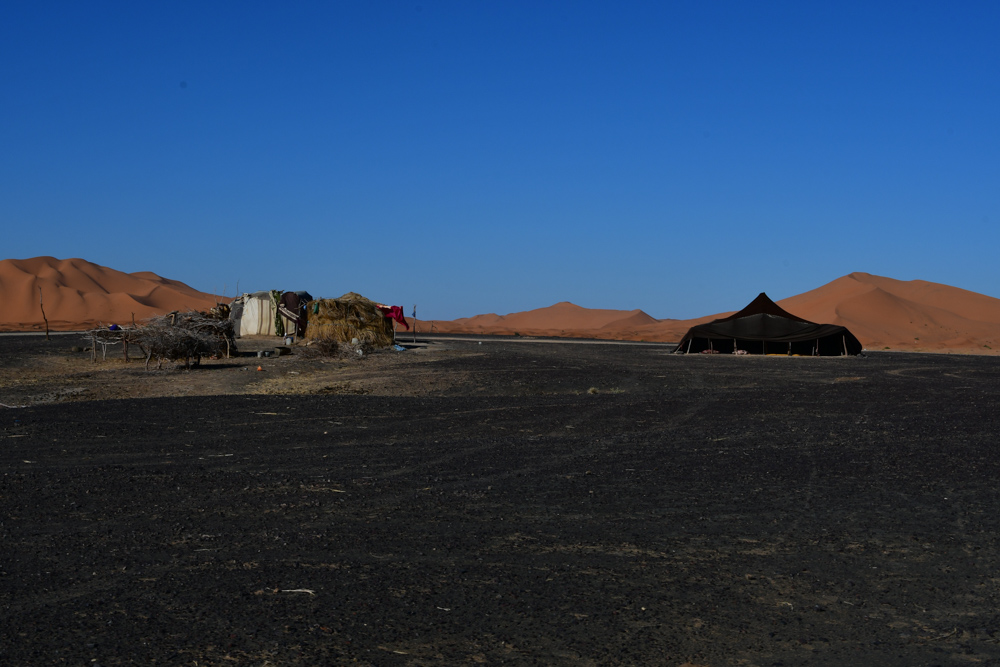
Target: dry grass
{"x": 352, "y": 316}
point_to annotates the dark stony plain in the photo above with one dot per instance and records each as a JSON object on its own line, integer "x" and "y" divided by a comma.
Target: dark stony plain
{"x": 555, "y": 504}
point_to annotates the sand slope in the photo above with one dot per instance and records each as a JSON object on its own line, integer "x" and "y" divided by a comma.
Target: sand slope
{"x": 882, "y": 312}
{"x": 562, "y": 319}
{"x": 908, "y": 315}
{"x": 78, "y": 294}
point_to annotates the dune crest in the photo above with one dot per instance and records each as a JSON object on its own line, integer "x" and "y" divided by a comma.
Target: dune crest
{"x": 78, "y": 294}
{"x": 914, "y": 315}
{"x": 882, "y": 312}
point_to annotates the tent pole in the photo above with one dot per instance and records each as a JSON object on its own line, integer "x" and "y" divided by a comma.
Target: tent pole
{"x": 844, "y": 338}
{"x": 690, "y": 340}
{"x": 789, "y": 348}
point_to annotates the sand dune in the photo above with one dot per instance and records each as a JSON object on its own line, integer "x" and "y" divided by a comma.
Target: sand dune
{"x": 561, "y": 319}
{"x": 882, "y": 312}
{"x": 78, "y": 294}
{"x": 907, "y": 315}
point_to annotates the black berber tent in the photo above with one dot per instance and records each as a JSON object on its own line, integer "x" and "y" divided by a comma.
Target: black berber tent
{"x": 763, "y": 327}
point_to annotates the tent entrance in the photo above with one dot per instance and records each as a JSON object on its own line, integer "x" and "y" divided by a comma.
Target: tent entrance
{"x": 828, "y": 346}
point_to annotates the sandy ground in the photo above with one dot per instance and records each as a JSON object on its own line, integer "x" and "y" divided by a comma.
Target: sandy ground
{"x": 499, "y": 504}
{"x": 34, "y": 372}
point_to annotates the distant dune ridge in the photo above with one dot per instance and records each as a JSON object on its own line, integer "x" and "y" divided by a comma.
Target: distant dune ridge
{"x": 78, "y": 294}
{"x": 882, "y": 312}
{"x": 913, "y": 315}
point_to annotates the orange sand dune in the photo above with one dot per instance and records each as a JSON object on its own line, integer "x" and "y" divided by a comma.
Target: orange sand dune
{"x": 882, "y": 312}
{"x": 78, "y": 294}
{"x": 904, "y": 315}
{"x": 562, "y": 319}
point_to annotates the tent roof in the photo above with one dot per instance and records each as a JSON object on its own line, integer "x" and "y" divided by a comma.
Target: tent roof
{"x": 762, "y": 305}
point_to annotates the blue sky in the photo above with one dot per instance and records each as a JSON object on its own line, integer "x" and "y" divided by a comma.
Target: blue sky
{"x": 474, "y": 157}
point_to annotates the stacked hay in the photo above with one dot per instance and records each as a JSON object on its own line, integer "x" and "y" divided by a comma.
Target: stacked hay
{"x": 349, "y": 317}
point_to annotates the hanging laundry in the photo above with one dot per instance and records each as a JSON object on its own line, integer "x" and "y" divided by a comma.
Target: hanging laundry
{"x": 394, "y": 313}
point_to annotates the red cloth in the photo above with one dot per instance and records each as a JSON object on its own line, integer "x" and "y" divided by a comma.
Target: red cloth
{"x": 394, "y": 313}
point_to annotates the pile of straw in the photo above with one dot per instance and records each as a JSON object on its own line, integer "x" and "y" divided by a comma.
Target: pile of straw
{"x": 349, "y": 317}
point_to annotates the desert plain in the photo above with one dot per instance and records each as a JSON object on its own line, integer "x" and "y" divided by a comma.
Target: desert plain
{"x": 491, "y": 501}
{"x": 521, "y": 498}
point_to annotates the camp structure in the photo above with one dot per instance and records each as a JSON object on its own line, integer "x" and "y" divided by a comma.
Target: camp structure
{"x": 763, "y": 327}
{"x": 350, "y": 317}
{"x": 256, "y": 313}
{"x": 292, "y": 310}
{"x": 270, "y": 313}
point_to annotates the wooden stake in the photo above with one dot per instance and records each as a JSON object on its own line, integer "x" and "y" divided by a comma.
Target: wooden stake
{"x": 40, "y": 305}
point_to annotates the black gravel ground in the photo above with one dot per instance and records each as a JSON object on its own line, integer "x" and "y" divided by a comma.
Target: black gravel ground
{"x": 706, "y": 510}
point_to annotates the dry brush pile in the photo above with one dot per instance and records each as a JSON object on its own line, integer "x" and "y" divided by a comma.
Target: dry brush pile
{"x": 174, "y": 337}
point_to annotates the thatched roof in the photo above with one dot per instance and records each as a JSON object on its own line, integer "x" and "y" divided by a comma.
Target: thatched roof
{"x": 348, "y": 317}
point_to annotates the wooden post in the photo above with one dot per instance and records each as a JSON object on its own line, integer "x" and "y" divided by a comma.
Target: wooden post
{"x": 690, "y": 340}
{"x": 844, "y": 338}
{"x": 40, "y": 305}
{"x": 93, "y": 347}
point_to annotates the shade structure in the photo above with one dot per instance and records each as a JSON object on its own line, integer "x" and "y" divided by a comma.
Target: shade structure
{"x": 763, "y": 327}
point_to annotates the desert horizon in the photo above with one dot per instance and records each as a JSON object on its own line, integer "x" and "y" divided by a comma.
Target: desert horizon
{"x": 884, "y": 313}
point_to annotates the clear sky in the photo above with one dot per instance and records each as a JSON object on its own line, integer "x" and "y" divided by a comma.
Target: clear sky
{"x": 475, "y": 157}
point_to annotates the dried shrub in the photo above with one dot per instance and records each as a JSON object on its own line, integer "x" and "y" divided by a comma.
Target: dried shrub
{"x": 329, "y": 348}
{"x": 325, "y": 347}
{"x": 184, "y": 336}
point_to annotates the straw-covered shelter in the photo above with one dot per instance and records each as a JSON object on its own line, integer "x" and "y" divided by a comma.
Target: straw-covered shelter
{"x": 349, "y": 317}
